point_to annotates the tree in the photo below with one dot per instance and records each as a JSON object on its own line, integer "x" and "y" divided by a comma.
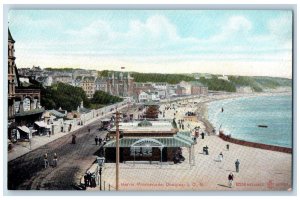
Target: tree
{"x": 63, "y": 95}
{"x": 101, "y": 97}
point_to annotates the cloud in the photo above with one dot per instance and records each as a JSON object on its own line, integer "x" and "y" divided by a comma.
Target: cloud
{"x": 152, "y": 41}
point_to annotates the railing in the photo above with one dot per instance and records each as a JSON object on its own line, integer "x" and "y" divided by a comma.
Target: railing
{"x": 108, "y": 187}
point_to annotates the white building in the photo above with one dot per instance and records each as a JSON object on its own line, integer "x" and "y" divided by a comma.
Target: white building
{"x": 143, "y": 97}
{"x": 187, "y": 86}
{"x": 225, "y": 78}
{"x": 160, "y": 85}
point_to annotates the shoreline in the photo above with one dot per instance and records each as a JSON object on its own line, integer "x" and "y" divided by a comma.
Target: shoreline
{"x": 202, "y": 113}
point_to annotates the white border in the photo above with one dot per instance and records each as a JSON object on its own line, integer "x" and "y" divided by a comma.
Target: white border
{"x": 178, "y": 4}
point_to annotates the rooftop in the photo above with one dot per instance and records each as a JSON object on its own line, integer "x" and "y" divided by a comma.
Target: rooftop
{"x": 133, "y": 127}
{"x": 30, "y": 112}
{"x": 166, "y": 141}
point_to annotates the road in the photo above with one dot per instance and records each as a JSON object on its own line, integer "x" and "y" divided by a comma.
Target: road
{"x": 28, "y": 173}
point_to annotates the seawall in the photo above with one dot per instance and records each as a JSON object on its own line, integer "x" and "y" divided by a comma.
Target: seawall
{"x": 255, "y": 145}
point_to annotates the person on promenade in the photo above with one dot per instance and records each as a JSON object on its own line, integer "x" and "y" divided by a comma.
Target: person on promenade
{"x": 220, "y": 157}
{"x": 96, "y": 140}
{"x": 237, "y": 165}
{"x": 230, "y": 179}
{"x": 227, "y": 147}
{"x": 100, "y": 141}
{"x": 46, "y": 162}
{"x": 202, "y": 135}
{"x": 54, "y": 160}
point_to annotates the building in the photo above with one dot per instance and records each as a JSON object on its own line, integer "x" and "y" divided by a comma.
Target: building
{"x": 64, "y": 78}
{"x": 23, "y": 99}
{"x": 12, "y": 81}
{"x": 162, "y": 94}
{"x": 180, "y": 91}
{"x": 88, "y": 85}
{"x": 101, "y": 84}
{"x": 152, "y": 141}
{"x": 160, "y": 85}
{"x": 187, "y": 86}
{"x": 143, "y": 97}
{"x": 142, "y": 87}
{"x": 171, "y": 90}
{"x": 197, "y": 88}
{"x": 45, "y": 80}
{"x": 120, "y": 84}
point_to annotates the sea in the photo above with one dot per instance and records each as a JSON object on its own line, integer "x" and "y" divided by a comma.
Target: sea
{"x": 241, "y": 116}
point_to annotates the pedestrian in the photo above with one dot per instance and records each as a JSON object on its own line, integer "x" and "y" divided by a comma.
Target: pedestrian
{"x": 237, "y": 165}
{"x": 100, "y": 141}
{"x": 220, "y": 157}
{"x": 46, "y": 162}
{"x": 182, "y": 127}
{"x": 89, "y": 177}
{"x": 73, "y": 139}
{"x": 89, "y": 130}
{"x": 202, "y": 135}
{"x": 230, "y": 179}
{"x": 54, "y": 160}
{"x": 227, "y": 147}
{"x": 85, "y": 180}
{"x": 96, "y": 140}
{"x": 206, "y": 150}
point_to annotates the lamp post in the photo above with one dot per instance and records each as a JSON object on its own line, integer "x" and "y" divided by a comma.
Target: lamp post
{"x": 100, "y": 161}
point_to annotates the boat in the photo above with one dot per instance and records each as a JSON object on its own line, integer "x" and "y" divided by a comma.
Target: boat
{"x": 262, "y": 126}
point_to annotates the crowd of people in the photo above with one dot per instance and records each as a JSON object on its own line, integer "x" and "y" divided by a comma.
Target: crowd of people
{"x": 90, "y": 179}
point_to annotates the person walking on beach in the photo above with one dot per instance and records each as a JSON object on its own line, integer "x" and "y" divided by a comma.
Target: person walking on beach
{"x": 220, "y": 157}
{"x": 54, "y": 160}
{"x": 96, "y": 140}
{"x": 230, "y": 179}
{"x": 202, "y": 135}
{"x": 237, "y": 165}
{"x": 227, "y": 147}
{"x": 46, "y": 162}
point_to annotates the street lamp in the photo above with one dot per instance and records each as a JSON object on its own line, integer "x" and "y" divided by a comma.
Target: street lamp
{"x": 100, "y": 161}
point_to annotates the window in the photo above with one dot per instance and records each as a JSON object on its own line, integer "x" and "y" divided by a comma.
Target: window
{"x": 141, "y": 151}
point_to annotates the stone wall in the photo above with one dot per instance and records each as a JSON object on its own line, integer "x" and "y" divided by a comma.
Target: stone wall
{"x": 255, "y": 145}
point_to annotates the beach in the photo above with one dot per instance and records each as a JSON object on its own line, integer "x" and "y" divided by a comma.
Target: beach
{"x": 260, "y": 170}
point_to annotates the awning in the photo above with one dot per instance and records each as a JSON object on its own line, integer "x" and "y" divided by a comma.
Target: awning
{"x": 41, "y": 124}
{"x": 24, "y": 129}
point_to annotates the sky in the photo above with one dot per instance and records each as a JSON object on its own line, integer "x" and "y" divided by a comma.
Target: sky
{"x": 229, "y": 42}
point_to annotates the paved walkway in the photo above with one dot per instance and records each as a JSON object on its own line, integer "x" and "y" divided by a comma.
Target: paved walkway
{"x": 21, "y": 148}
